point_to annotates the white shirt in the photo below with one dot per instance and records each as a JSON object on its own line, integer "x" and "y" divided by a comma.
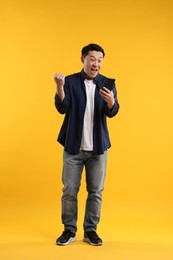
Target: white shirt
{"x": 87, "y": 134}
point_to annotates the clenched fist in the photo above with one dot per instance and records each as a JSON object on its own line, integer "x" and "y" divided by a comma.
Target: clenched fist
{"x": 60, "y": 80}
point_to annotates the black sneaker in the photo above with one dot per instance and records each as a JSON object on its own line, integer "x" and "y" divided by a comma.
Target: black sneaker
{"x": 66, "y": 238}
{"x": 92, "y": 238}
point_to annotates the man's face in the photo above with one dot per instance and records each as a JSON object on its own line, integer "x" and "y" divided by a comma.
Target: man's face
{"x": 92, "y": 63}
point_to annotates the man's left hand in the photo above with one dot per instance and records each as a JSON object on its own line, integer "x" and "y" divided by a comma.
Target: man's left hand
{"x": 108, "y": 97}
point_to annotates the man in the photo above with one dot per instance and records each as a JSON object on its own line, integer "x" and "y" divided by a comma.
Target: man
{"x": 86, "y": 103}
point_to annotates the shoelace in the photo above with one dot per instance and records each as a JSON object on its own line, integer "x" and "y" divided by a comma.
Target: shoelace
{"x": 66, "y": 233}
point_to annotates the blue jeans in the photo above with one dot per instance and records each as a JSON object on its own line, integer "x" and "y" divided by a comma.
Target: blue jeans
{"x": 95, "y": 167}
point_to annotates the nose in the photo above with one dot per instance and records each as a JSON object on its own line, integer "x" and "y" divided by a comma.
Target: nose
{"x": 95, "y": 63}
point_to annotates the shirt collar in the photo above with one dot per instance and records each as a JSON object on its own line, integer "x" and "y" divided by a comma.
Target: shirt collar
{"x": 98, "y": 79}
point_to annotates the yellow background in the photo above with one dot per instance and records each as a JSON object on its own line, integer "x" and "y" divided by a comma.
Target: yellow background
{"x": 39, "y": 38}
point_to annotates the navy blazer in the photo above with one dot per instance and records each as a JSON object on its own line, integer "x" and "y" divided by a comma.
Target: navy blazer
{"x": 73, "y": 106}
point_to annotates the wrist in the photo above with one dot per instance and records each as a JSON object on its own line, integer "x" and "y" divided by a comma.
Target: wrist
{"x": 60, "y": 88}
{"x": 111, "y": 104}
{"x": 60, "y": 93}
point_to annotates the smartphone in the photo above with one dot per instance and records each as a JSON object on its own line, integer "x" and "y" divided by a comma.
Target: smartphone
{"x": 109, "y": 83}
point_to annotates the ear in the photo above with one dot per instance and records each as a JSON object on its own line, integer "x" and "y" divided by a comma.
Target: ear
{"x": 82, "y": 59}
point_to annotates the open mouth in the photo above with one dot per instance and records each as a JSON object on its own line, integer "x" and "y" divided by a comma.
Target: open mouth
{"x": 93, "y": 70}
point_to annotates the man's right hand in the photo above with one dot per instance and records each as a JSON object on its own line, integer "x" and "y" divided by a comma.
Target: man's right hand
{"x": 60, "y": 80}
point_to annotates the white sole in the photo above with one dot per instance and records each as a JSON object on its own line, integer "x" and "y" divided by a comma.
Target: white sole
{"x": 89, "y": 242}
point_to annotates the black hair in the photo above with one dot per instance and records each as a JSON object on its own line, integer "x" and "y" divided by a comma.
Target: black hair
{"x": 92, "y": 47}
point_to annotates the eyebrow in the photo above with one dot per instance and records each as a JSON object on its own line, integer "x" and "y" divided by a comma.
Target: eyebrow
{"x": 96, "y": 58}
